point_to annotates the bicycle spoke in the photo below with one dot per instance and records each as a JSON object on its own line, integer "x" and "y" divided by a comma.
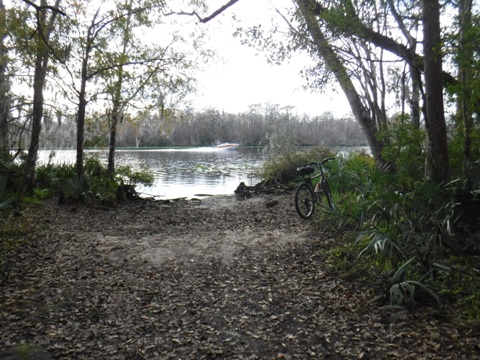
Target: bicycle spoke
{"x": 304, "y": 201}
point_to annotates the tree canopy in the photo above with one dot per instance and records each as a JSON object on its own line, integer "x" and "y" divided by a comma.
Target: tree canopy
{"x": 97, "y": 63}
{"x": 391, "y": 58}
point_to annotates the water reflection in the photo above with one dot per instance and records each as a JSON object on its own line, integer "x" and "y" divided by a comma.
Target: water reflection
{"x": 183, "y": 172}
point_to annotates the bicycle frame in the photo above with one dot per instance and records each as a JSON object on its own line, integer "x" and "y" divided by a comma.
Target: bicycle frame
{"x": 306, "y": 171}
{"x": 306, "y": 195}
{"x": 310, "y": 180}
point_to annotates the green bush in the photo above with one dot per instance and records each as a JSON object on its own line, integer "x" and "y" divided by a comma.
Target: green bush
{"x": 52, "y": 176}
{"x": 12, "y": 173}
{"x": 96, "y": 184}
{"x": 283, "y": 168}
{"x": 404, "y": 149}
{"x": 406, "y": 230}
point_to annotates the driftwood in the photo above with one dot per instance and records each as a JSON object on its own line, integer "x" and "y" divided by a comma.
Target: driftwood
{"x": 271, "y": 187}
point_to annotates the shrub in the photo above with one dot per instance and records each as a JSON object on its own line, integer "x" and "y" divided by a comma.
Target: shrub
{"x": 408, "y": 228}
{"x": 52, "y": 176}
{"x": 405, "y": 150}
{"x": 96, "y": 184}
{"x": 283, "y": 168}
{"x": 12, "y": 173}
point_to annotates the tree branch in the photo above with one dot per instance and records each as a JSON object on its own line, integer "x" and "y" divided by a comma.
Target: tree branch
{"x": 208, "y": 18}
{"x": 361, "y": 31}
{"x": 44, "y": 7}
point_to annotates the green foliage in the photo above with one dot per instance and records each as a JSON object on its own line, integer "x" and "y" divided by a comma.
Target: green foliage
{"x": 352, "y": 172}
{"x": 403, "y": 295}
{"x": 356, "y": 180}
{"x": 283, "y": 166}
{"x": 343, "y": 260}
{"x": 62, "y": 178}
{"x": 406, "y": 229}
{"x": 77, "y": 189}
{"x": 405, "y": 150}
{"x": 12, "y": 173}
{"x": 6, "y": 198}
{"x": 126, "y": 175}
{"x": 460, "y": 169}
{"x": 95, "y": 185}
{"x": 420, "y": 222}
{"x": 471, "y": 305}
{"x": 9, "y": 183}
{"x": 51, "y": 176}
{"x": 460, "y": 286}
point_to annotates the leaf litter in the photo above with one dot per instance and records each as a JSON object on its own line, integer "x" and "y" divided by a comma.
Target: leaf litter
{"x": 215, "y": 279}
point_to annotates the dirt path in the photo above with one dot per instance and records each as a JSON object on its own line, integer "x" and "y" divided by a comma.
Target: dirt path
{"x": 219, "y": 279}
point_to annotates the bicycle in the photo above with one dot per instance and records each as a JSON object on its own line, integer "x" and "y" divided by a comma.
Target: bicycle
{"x": 306, "y": 195}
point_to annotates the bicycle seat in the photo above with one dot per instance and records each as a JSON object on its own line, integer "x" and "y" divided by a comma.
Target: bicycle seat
{"x": 306, "y": 170}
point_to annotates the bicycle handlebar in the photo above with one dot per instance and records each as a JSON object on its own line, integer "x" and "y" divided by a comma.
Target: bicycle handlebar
{"x": 319, "y": 163}
{"x": 327, "y": 160}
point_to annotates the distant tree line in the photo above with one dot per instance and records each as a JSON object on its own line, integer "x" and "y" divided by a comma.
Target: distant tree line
{"x": 205, "y": 128}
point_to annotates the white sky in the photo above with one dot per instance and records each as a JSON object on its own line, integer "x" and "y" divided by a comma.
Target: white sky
{"x": 245, "y": 78}
{"x": 241, "y": 76}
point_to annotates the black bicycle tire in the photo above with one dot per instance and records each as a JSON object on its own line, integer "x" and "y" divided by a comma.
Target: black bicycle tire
{"x": 328, "y": 193}
{"x": 304, "y": 194}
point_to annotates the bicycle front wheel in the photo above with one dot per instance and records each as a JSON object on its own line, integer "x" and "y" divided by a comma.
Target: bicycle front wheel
{"x": 328, "y": 194}
{"x": 304, "y": 201}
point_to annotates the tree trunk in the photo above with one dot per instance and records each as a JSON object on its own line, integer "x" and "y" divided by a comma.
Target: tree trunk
{"x": 4, "y": 87}
{"x": 334, "y": 63}
{"x": 117, "y": 104}
{"x": 82, "y": 106}
{"x": 82, "y": 99}
{"x": 465, "y": 111}
{"x": 41, "y": 62}
{"x": 113, "y": 141}
{"x": 37, "y": 115}
{"x": 437, "y": 165}
{"x": 415, "y": 77}
{"x": 41, "y": 66}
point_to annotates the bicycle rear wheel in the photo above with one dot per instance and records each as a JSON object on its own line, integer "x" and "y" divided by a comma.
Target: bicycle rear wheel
{"x": 304, "y": 201}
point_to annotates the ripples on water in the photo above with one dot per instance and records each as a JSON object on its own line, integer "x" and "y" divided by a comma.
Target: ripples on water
{"x": 186, "y": 172}
{"x": 182, "y": 172}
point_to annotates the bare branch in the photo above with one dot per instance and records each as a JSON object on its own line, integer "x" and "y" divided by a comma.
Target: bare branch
{"x": 44, "y": 7}
{"x": 208, "y": 18}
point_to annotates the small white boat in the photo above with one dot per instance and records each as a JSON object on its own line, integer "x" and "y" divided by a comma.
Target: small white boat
{"x": 227, "y": 146}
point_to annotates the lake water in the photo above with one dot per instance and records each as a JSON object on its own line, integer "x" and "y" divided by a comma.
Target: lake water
{"x": 193, "y": 172}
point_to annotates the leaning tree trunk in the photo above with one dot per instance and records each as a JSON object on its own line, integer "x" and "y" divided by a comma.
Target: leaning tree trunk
{"x": 335, "y": 64}
{"x": 437, "y": 165}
